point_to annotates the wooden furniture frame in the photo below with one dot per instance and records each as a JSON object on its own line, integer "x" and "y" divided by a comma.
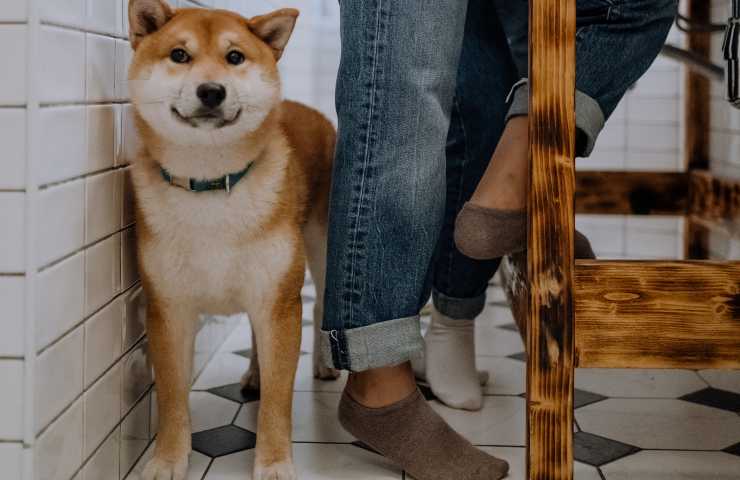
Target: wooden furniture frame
{"x": 608, "y": 314}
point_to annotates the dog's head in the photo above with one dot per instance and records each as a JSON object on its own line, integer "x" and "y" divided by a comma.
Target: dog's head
{"x": 202, "y": 74}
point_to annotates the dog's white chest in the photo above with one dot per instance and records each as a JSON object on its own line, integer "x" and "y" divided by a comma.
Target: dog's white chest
{"x": 211, "y": 246}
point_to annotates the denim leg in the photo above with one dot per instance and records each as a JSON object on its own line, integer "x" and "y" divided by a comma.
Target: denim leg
{"x": 395, "y": 88}
{"x": 485, "y": 76}
{"x": 616, "y": 42}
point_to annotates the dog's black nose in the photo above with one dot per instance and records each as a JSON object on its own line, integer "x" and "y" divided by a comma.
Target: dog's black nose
{"x": 211, "y": 94}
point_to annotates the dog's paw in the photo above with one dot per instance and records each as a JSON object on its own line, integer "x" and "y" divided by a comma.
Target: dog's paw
{"x": 251, "y": 380}
{"x": 276, "y": 471}
{"x": 158, "y": 469}
{"x": 325, "y": 373}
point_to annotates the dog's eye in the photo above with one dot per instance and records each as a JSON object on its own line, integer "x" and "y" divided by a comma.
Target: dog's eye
{"x": 235, "y": 58}
{"x": 179, "y": 55}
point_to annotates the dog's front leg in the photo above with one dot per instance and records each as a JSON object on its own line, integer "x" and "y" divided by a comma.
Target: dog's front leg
{"x": 278, "y": 334}
{"x": 171, "y": 333}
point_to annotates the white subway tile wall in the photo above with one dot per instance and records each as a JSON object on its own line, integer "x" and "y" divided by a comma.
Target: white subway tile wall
{"x": 645, "y": 133}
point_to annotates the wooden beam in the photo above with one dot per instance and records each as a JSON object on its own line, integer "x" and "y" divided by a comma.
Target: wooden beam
{"x": 696, "y": 240}
{"x": 632, "y": 193}
{"x": 552, "y": 132}
{"x": 698, "y": 95}
{"x": 714, "y": 197}
{"x": 638, "y": 314}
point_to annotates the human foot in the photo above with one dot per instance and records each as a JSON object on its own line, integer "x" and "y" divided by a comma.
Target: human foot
{"x": 484, "y": 233}
{"x": 420, "y": 372}
{"x": 504, "y": 184}
{"x": 450, "y": 362}
{"x": 413, "y": 436}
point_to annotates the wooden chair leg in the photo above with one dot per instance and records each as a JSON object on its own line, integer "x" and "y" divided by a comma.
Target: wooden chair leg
{"x": 550, "y": 329}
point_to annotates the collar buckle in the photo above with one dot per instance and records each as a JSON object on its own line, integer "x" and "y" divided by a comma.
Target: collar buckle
{"x": 181, "y": 182}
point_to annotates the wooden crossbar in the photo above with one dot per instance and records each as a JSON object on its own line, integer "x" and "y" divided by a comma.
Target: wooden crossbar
{"x": 632, "y": 193}
{"x": 656, "y": 314}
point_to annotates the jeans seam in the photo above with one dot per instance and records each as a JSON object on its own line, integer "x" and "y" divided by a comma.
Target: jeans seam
{"x": 365, "y": 160}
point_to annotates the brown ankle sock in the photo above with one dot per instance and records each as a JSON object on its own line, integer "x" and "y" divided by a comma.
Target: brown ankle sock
{"x": 484, "y": 233}
{"x": 417, "y": 439}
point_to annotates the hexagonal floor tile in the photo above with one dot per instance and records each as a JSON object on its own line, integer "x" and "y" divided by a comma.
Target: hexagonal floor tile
{"x": 496, "y": 315}
{"x": 314, "y": 462}
{"x": 314, "y": 418}
{"x": 516, "y": 458}
{"x": 581, "y": 398}
{"x": 716, "y": 398}
{"x": 506, "y": 375}
{"x": 499, "y": 422}
{"x": 222, "y": 369}
{"x": 521, "y": 356}
{"x": 305, "y": 382}
{"x": 733, "y": 449}
{"x": 493, "y": 341}
{"x": 239, "y": 339}
{"x": 672, "y": 465}
{"x": 595, "y": 450}
{"x": 638, "y": 383}
{"x": 661, "y": 424}
{"x": 225, "y": 440}
{"x": 246, "y": 353}
{"x": 728, "y": 380}
{"x": 496, "y": 296}
{"x": 234, "y": 392}
{"x": 210, "y": 411}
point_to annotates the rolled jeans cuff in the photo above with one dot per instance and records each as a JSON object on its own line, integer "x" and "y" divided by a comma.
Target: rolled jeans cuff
{"x": 378, "y": 345}
{"x": 589, "y": 116}
{"x": 458, "y": 308}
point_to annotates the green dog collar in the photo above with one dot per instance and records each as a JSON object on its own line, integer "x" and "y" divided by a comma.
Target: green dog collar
{"x": 226, "y": 182}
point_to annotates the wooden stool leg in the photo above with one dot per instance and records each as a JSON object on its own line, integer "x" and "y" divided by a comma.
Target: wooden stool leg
{"x": 550, "y": 330}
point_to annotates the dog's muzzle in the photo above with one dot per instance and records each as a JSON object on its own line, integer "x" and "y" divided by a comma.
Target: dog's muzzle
{"x": 731, "y": 51}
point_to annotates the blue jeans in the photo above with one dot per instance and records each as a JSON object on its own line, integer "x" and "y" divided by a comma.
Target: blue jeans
{"x": 422, "y": 102}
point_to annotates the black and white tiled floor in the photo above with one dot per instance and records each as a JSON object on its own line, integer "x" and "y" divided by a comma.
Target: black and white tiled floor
{"x": 630, "y": 424}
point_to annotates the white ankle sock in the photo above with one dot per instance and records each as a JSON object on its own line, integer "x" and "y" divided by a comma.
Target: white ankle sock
{"x": 450, "y": 362}
{"x": 419, "y": 365}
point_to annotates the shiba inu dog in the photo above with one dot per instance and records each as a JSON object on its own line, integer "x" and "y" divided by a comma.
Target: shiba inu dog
{"x": 231, "y": 188}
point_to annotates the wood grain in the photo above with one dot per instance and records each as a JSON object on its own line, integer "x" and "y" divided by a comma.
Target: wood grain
{"x": 549, "y": 343}
{"x": 697, "y": 111}
{"x": 632, "y": 314}
{"x": 632, "y": 193}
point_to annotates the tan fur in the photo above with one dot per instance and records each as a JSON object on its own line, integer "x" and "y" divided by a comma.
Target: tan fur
{"x": 218, "y": 252}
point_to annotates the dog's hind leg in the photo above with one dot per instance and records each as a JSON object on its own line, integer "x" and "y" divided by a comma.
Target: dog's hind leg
{"x": 171, "y": 333}
{"x": 251, "y": 378}
{"x": 315, "y": 238}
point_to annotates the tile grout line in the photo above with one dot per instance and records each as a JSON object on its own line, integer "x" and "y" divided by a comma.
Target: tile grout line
{"x": 81, "y": 323}
{"x": 31, "y": 199}
{"x": 83, "y": 248}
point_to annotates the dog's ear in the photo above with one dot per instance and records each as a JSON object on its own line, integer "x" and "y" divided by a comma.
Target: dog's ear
{"x": 275, "y": 28}
{"x": 146, "y": 17}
